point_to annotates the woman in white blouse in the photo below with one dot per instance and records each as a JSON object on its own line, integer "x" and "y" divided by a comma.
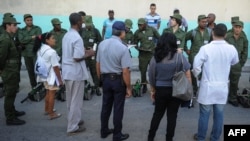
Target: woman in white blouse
{"x": 43, "y": 47}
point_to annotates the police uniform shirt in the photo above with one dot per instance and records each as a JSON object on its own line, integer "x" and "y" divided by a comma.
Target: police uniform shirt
{"x": 113, "y": 56}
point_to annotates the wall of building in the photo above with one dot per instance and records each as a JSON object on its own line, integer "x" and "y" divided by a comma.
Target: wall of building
{"x": 44, "y": 11}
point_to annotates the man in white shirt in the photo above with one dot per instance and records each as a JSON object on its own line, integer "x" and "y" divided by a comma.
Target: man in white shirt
{"x": 153, "y": 19}
{"x": 213, "y": 61}
{"x": 74, "y": 73}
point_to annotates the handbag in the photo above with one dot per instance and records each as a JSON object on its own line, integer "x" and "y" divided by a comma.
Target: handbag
{"x": 182, "y": 88}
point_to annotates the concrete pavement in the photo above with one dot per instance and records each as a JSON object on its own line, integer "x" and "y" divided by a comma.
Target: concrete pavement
{"x": 136, "y": 122}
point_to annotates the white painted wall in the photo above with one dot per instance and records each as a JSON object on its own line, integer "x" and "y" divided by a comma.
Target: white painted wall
{"x": 190, "y": 9}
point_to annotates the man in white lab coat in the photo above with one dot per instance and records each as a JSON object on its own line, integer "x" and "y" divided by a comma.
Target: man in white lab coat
{"x": 213, "y": 61}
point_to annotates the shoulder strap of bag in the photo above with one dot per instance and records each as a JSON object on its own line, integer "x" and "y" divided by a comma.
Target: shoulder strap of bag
{"x": 176, "y": 62}
{"x": 42, "y": 56}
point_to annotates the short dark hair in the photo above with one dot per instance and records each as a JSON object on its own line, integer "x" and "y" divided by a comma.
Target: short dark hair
{"x": 74, "y": 18}
{"x": 152, "y": 4}
{"x": 39, "y": 40}
{"x": 111, "y": 11}
{"x": 82, "y": 13}
{"x": 116, "y": 32}
{"x": 220, "y": 30}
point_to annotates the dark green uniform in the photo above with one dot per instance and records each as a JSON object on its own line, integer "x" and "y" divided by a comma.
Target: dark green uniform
{"x": 146, "y": 48}
{"x": 241, "y": 45}
{"x": 58, "y": 35}
{"x": 179, "y": 34}
{"x": 90, "y": 37}
{"x": 9, "y": 65}
{"x": 197, "y": 41}
{"x": 25, "y": 38}
{"x": 129, "y": 37}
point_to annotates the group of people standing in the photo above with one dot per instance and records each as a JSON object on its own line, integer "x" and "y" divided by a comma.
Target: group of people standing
{"x": 68, "y": 54}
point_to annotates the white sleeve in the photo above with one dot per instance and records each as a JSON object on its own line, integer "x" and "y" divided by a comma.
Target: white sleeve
{"x": 198, "y": 61}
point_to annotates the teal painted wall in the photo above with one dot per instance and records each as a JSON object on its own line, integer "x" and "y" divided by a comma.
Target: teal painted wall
{"x": 45, "y": 24}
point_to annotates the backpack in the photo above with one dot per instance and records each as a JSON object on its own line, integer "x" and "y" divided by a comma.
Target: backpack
{"x": 41, "y": 69}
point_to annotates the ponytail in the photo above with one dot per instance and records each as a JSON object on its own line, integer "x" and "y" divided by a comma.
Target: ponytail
{"x": 39, "y": 40}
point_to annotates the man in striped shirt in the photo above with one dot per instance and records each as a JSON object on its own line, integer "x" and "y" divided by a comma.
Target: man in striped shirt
{"x": 153, "y": 19}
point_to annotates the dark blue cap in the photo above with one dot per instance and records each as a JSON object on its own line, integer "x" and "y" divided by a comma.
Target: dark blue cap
{"x": 119, "y": 25}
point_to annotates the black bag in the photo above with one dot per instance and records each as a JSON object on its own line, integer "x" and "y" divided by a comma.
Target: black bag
{"x": 36, "y": 94}
{"x": 87, "y": 91}
{"x": 244, "y": 98}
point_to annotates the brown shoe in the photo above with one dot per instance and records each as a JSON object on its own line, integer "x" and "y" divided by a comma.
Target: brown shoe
{"x": 79, "y": 130}
{"x": 54, "y": 116}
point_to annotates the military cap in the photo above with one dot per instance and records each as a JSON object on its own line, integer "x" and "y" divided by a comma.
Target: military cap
{"x": 239, "y": 23}
{"x": 119, "y": 25}
{"x": 88, "y": 20}
{"x": 141, "y": 21}
{"x": 27, "y": 16}
{"x": 7, "y": 15}
{"x": 128, "y": 23}
{"x": 202, "y": 17}
{"x": 234, "y": 19}
{"x": 55, "y": 21}
{"x": 176, "y": 16}
{"x": 10, "y": 20}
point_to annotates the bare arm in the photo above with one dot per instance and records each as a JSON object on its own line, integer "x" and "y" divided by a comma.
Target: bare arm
{"x": 188, "y": 75}
{"x": 126, "y": 79}
{"x": 58, "y": 75}
{"x": 98, "y": 70}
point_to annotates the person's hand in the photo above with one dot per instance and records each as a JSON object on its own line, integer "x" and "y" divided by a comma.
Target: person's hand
{"x": 128, "y": 92}
{"x": 179, "y": 50}
{"x": 188, "y": 52}
{"x": 60, "y": 83}
{"x": 90, "y": 52}
{"x": 152, "y": 95}
{"x": 33, "y": 37}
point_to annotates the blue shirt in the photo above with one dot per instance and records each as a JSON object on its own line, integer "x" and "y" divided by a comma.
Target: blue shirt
{"x": 108, "y": 28}
{"x": 153, "y": 20}
{"x": 113, "y": 55}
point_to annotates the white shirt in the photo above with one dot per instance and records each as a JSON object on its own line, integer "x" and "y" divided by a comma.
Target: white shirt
{"x": 153, "y": 20}
{"x": 214, "y": 60}
{"x": 72, "y": 47}
{"x": 51, "y": 60}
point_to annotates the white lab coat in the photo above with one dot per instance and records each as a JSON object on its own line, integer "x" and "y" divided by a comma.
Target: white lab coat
{"x": 214, "y": 61}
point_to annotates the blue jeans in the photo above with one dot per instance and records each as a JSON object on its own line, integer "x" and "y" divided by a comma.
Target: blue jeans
{"x": 205, "y": 110}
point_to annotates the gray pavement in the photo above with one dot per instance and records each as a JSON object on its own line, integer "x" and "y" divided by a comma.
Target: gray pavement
{"x": 136, "y": 121}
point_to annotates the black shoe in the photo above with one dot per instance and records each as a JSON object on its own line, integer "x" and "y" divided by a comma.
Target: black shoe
{"x": 15, "y": 121}
{"x": 144, "y": 90}
{"x": 110, "y": 131}
{"x": 234, "y": 103}
{"x": 19, "y": 113}
{"x": 196, "y": 136}
{"x": 124, "y": 136}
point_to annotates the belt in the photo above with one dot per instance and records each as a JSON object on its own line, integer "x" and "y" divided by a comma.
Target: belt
{"x": 13, "y": 61}
{"x": 112, "y": 76}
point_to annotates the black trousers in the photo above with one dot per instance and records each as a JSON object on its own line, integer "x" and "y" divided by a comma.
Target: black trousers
{"x": 114, "y": 92}
{"x": 164, "y": 102}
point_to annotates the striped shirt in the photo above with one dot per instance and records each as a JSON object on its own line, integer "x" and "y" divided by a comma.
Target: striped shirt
{"x": 153, "y": 20}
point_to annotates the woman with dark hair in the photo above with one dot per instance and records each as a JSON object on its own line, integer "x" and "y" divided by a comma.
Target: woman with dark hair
{"x": 43, "y": 48}
{"x": 162, "y": 67}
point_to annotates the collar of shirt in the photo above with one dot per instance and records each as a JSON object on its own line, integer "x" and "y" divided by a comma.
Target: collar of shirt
{"x": 116, "y": 37}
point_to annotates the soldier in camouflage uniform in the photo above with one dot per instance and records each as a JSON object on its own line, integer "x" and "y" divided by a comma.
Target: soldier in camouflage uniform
{"x": 91, "y": 36}
{"x": 198, "y": 37}
{"x": 145, "y": 35}
{"x": 26, "y": 37}
{"x": 174, "y": 28}
{"x": 129, "y": 37}
{"x": 58, "y": 33}
{"x": 240, "y": 42}
{"x": 10, "y": 71}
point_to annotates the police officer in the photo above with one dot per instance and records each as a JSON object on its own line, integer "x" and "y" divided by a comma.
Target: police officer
{"x": 112, "y": 63}
{"x": 174, "y": 28}
{"x": 129, "y": 37}
{"x": 91, "y": 37}
{"x": 240, "y": 42}
{"x": 145, "y": 35}
{"x": 26, "y": 37}
{"x": 198, "y": 37}
{"x": 58, "y": 33}
{"x": 9, "y": 68}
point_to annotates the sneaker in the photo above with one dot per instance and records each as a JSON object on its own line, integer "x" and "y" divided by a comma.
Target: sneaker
{"x": 79, "y": 130}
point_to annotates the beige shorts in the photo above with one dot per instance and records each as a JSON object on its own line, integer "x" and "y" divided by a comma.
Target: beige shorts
{"x": 50, "y": 87}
